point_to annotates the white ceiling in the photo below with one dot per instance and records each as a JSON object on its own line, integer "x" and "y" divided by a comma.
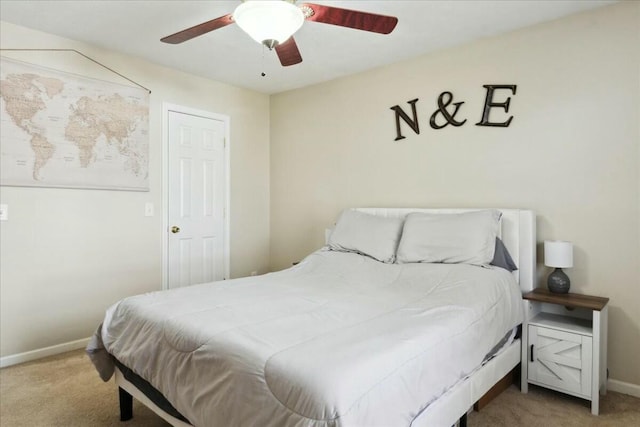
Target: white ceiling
{"x": 229, "y": 55}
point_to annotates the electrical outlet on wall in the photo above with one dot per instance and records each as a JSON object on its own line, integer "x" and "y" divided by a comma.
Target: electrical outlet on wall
{"x": 148, "y": 209}
{"x": 4, "y": 212}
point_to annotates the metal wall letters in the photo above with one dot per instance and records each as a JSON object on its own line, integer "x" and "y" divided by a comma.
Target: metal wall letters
{"x": 446, "y": 115}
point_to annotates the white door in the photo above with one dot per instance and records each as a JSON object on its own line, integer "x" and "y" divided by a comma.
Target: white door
{"x": 196, "y": 199}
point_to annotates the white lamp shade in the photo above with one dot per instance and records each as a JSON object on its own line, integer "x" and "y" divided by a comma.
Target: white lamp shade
{"x": 269, "y": 20}
{"x": 558, "y": 254}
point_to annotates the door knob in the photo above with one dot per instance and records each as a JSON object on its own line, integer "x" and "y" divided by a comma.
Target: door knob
{"x": 175, "y": 229}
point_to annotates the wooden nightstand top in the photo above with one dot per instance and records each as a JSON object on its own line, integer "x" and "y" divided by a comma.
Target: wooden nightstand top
{"x": 568, "y": 300}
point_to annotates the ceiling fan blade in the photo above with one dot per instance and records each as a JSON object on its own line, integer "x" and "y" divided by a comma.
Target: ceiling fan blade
{"x": 288, "y": 53}
{"x": 198, "y": 30}
{"x": 349, "y": 18}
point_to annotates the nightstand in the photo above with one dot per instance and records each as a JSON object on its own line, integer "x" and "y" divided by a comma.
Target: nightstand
{"x": 565, "y": 344}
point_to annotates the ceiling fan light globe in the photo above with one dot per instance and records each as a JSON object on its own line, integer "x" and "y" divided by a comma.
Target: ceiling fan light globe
{"x": 268, "y": 20}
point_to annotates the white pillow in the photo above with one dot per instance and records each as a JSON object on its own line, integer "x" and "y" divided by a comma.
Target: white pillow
{"x": 371, "y": 235}
{"x": 468, "y": 237}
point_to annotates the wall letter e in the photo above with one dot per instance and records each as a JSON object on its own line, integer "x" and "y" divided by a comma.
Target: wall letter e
{"x": 488, "y": 104}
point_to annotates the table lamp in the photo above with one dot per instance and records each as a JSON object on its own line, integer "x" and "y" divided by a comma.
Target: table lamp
{"x": 558, "y": 254}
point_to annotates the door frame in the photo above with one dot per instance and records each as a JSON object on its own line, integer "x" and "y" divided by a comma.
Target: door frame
{"x": 166, "y": 109}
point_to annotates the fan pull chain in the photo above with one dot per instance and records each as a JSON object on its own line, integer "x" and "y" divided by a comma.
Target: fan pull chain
{"x": 263, "y": 74}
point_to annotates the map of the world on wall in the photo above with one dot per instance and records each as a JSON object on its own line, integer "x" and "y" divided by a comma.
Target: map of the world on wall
{"x": 63, "y": 130}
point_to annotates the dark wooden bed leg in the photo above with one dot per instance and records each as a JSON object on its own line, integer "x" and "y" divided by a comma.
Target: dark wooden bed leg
{"x": 463, "y": 420}
{"x": 126, "y": 405}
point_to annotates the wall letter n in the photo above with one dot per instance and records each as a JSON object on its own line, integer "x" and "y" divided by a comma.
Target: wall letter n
{"x": 401, "y": 114}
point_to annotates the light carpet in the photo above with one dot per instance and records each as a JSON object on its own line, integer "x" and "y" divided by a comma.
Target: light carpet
{"x": 65, "y": 391}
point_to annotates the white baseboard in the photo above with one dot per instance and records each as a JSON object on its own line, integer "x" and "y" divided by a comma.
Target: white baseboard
{"x": 625, "y": 388}
{"x": 28, "y": 356}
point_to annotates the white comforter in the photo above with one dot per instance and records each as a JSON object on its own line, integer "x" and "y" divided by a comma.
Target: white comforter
{"x": 338, "y": 340}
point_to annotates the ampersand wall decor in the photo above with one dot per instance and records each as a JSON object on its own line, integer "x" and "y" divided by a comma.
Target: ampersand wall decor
{"x": 446, "y": 111}
{"x": 442, "y": 110}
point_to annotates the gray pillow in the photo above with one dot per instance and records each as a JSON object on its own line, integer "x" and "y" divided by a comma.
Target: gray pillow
{"x": 467, "y": 237}
{"x": 502, "y": 257}
{"x": 367, "y": 234}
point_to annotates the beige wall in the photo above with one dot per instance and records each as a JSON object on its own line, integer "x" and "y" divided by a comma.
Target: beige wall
{"x": 66, "y": 255}
{"x": 571, "y": 152}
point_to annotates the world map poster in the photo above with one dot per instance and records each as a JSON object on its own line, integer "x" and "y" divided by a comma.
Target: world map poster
{"x": 64, "y": 130}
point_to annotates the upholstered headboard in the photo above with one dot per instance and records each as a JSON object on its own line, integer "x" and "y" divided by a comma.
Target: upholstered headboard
{"x": 518, "y": 232}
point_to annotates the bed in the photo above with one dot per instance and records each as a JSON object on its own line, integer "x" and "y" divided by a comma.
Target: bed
{"x": 344, "y": 338}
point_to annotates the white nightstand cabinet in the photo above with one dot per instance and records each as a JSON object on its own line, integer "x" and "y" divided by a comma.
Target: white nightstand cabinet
{"x": 566, "y": 344}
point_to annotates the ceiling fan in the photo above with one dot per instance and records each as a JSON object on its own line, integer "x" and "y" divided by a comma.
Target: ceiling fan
{"x": 273, "y": 23}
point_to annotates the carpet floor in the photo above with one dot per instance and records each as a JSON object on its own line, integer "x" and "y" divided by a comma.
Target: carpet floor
{"x": 66, "y": 391}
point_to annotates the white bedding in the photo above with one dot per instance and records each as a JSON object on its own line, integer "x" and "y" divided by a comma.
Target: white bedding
{"x": 338, "y": 340}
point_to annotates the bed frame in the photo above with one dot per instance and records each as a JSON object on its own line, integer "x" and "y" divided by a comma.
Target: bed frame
{"x": 518, "y": 232}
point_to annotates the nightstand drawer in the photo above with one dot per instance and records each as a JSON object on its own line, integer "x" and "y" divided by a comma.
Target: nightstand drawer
{"x": 560, "y": 360}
